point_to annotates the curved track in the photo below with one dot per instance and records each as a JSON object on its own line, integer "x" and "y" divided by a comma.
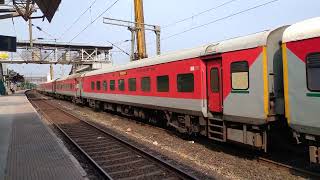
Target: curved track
{"x": 113, "y": 157}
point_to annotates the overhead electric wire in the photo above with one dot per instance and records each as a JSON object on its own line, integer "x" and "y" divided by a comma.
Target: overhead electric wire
{"x": 68, "y": 29}
{"x": 48, "y": 34}
{"x": 114, "y": 3}
{"x": 198, "y": 14}
{"x": 118, "y": 48}
{"x": 14, "y": 27}
{"x": 220, "y": 19}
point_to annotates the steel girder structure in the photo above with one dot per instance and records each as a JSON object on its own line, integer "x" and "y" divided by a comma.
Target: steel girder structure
{"x": 59, "y": 53}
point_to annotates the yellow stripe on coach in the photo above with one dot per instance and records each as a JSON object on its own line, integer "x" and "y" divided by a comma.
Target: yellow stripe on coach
{"x": 286, "y": 81}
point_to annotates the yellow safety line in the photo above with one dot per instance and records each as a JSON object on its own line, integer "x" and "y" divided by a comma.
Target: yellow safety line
{"x": 265, "y": 82}
{"x": 286, "y": 81}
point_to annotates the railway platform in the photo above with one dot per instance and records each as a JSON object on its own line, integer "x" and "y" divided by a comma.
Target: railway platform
{"x": 28, "y": 148}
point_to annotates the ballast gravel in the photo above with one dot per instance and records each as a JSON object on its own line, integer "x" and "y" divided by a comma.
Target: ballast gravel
{"x": 204, "y": 157}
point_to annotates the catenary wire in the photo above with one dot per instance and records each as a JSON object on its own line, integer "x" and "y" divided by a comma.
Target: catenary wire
{"x": 45, "y": 32}
{"x": 220, "y": 19}
{"x": 114, "y": 3}
{"x": 123, "y": 51}
{"x": 79, "y": 17}
{"x": 215, "y": 21}
{"x": 14, "y": 26}
{"x": 198, "y": 14}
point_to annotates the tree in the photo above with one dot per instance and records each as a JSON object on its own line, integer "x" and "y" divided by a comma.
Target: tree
{"x": 28, "y": 85}
{"x": 15, "y": 77}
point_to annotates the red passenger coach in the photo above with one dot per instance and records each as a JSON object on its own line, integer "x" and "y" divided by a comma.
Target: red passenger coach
{"x": 239, "y": 90}
{"x": 66, "y": 87}
{"x": 173, "y": 84}
{"x": 47, "y": 87}
{"x": 301, "y": 49}
{"x": 247, "y": 57}
{"x": 221, "y": 90}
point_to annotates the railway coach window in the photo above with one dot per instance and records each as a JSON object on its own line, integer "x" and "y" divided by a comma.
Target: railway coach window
{"x": 240, "y": 75}
{"x": 313, "y": 72}
{"x": 104, "y": 85}
{"x": 214, "y": 80}
{"x": 163, "y": 83}
{"x": 92, "y": 85}
{"x": 185, "y": 82}
{"x": 121, "y": 84}
{"x": 112, "y": 85}
{"x": 145, "y": 84}
{"x": 98, "y": 85}
{"x": 132, "y": 84}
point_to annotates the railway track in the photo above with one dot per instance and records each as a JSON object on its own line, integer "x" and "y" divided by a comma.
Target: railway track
{"x": 300, "y": 171}
{"x": 113, "y": 157}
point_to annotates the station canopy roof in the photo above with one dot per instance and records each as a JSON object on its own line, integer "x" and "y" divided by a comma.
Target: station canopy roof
{"x": 48, "y": 7}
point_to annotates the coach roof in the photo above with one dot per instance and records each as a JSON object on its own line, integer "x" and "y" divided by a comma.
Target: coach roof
{"x": 240, "y": 43}
{"x": 302, "y": 30}
{"x": 69, "y": 77}
{"x": 47, "y": 82}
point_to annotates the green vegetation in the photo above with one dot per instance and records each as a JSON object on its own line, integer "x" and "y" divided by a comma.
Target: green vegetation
{"x": 27, "y": 85}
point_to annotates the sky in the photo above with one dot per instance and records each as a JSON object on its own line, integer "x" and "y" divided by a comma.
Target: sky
{"x": 213, "y": 24}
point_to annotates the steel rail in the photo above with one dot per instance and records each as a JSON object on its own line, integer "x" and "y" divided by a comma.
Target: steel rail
{"x": 176, "y": 169}
{"x": 103, "y": 172}
{"x": 298, "y": 170}
{"x": 183, "y": 174}
{"x": 258, "y": 158}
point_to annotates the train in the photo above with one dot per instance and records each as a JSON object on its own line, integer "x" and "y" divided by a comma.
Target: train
{"x": 239, "y": 90}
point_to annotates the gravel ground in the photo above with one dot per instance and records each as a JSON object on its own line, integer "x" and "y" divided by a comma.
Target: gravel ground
{"x": 204, "y": 157}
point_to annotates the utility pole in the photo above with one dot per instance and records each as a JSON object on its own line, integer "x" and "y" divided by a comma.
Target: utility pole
{"x": 51, "y": 72}
{"x": 30, "y": 33}
{"x": 140, "y": 31}
{"x": 137, "y": 29}
{"x": 31, "y": 46}
{"x": 2, "y": 87}
{"x": 131, "y": 26}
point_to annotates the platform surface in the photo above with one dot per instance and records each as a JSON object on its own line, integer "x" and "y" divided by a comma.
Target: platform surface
{"x": 27, "y": 148}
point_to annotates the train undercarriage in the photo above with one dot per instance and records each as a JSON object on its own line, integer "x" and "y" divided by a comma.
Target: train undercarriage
{"x": 259, "y": 137}
{"x": 313, "y": 143}
{"x": 214, "y": 127}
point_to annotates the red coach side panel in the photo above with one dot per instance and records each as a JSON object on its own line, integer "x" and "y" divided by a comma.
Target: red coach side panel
{"x": 194, "y": 101}
{"x": 66, "y": 87}
{"x": 243, "y": 85}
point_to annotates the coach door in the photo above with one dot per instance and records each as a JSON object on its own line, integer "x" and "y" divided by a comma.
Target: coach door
{"x": 214, "y": 85}
{"x": 54, "y": 86}
{"x": 78, "y": 87}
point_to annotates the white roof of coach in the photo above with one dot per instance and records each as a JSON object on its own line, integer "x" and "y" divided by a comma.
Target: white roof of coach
{"x": 48, "y": 82}
{"x": 240, "y": 43}
{"x": 69, "y": 77}
{"x": 302, "y": 30}
{"x": 170, "y": 57}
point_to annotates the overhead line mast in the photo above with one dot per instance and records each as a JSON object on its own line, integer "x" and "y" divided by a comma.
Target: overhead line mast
{"x": 137, "y": 29}
{"x": 140, "y": 33}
